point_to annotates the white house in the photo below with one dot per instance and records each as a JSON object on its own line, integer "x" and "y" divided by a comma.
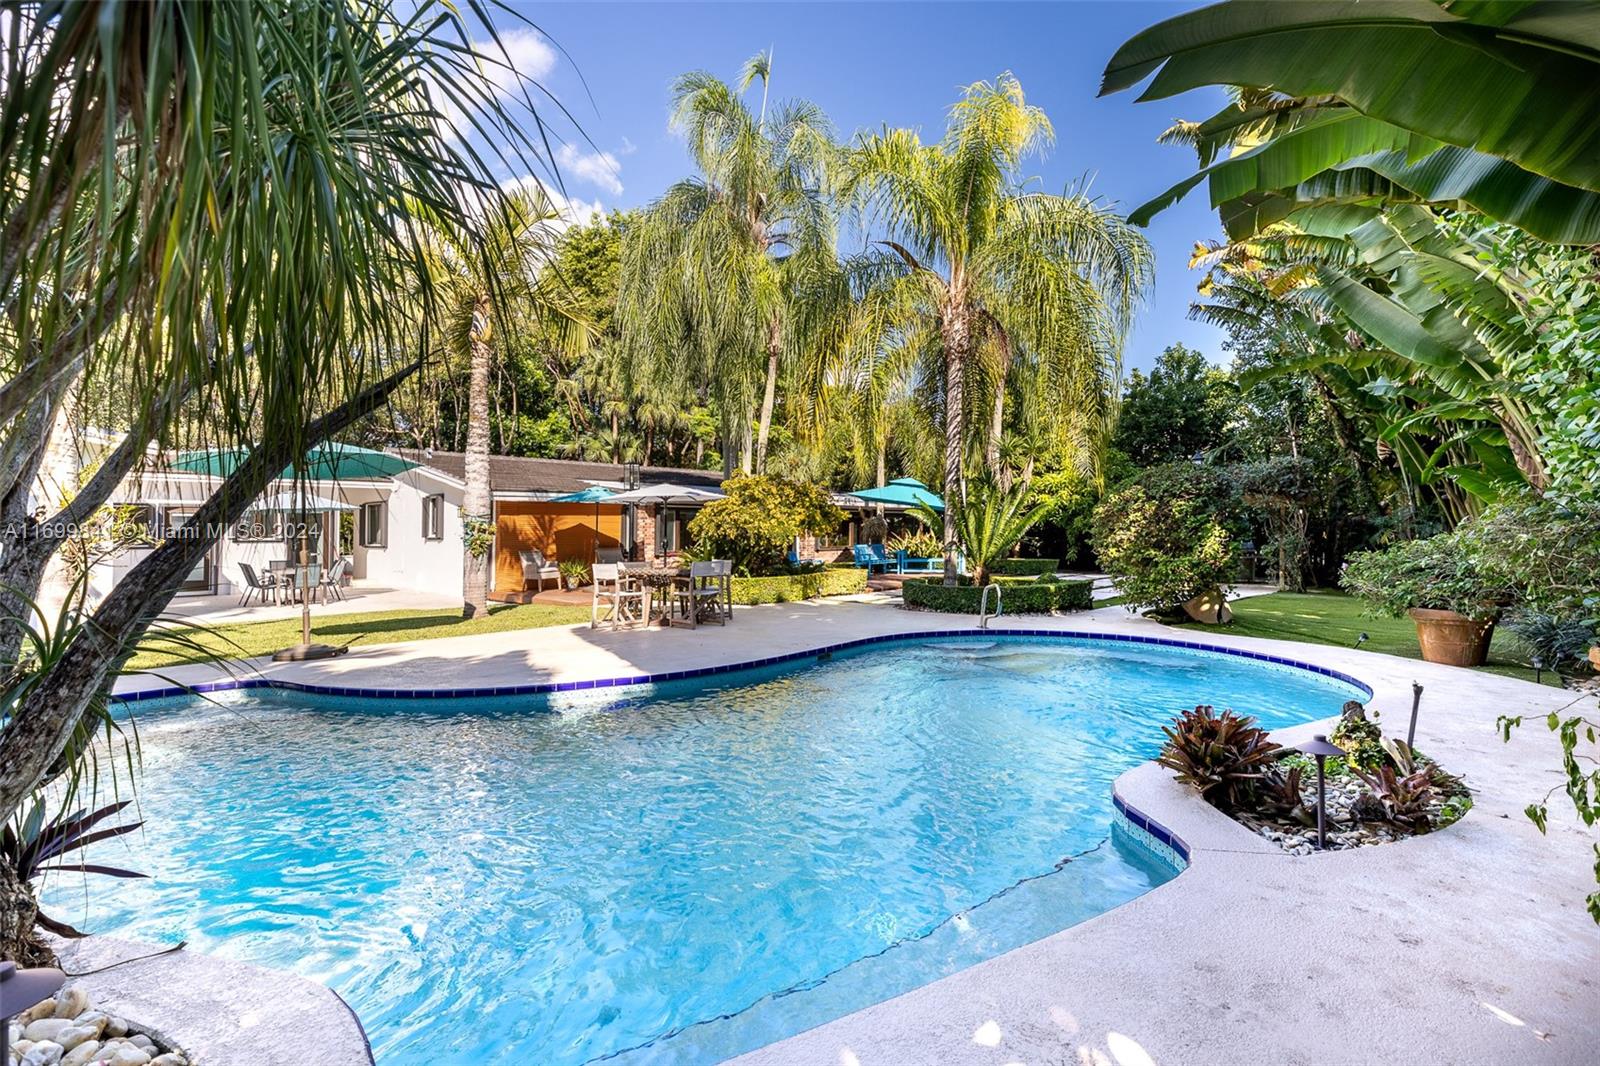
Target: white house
{"x": 397, "y": 522}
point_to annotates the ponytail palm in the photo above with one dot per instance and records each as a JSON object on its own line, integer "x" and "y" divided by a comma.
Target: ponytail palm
{"x": 1011, "y": 281}
{"x": 713, "y": 272}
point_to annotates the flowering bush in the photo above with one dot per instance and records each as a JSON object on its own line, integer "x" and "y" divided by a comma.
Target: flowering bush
{"x": 756, "y": 525}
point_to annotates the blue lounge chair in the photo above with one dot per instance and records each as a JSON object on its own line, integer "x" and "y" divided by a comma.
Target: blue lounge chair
{"x": 872, "y": 557}
{"x": 798, "y": 563}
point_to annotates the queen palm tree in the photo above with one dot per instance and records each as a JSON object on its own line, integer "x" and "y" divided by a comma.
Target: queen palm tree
{"x": 493, "y": 280}
{"x": 1012, "y": 281}
{"x": 711, "y": 271}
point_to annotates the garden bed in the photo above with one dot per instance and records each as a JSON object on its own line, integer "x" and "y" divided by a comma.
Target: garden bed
{"x": 1019, "y": 595}
{"x": 65, "y": 1029}
{"x": 1379, "y": 791}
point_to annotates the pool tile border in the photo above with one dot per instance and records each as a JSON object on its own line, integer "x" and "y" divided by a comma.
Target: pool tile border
{"x": 1151, "y": 833}
{"x": 546, "y": 687}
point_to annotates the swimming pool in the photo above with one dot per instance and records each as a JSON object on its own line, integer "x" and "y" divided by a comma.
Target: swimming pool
{"x": 672, "y": 872}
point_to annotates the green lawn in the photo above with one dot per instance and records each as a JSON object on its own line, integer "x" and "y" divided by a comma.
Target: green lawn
{"x": 244, "y": 640}
{"x": 1334, "y": 618}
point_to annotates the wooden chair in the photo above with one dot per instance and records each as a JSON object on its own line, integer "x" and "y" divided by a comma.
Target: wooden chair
{"x": 703, "y": 594}
{"x": 616, "y": 598}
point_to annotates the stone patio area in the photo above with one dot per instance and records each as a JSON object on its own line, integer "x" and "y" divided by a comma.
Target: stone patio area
{"x": 1469, "y": 945}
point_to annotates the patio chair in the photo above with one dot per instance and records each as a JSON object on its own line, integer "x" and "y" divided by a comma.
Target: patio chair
{"x": 810, "y": 562}
{"x": 332, "y": 580}
{"x": 307, "y": 581}
{"x": 704, "y": 594}
{"x": 618, "y": 600}
{"x": 872, "y": 557}
{"x": 536, "y": 568}
{"x": 608, "y": 555}
{"x": 907, "y": 564}
{"x": 256, "y": 585}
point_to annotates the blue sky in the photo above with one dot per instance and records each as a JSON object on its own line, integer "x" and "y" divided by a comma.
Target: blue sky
{"x": 870, "y": 64}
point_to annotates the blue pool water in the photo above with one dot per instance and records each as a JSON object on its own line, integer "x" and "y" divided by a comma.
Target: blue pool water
{"x": 659, "y": 874}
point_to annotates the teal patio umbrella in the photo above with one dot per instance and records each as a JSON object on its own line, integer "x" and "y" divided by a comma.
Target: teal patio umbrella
{"x": 332, "y": 461}
{"x": 593, "y": 494}
{"x": 901, "y": 492}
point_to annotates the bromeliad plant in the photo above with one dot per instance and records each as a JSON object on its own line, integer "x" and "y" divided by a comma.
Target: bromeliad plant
{"x": 1403, "y": 786}
{"x": 1223, "y": 756}
{"x": 35, "y": 845}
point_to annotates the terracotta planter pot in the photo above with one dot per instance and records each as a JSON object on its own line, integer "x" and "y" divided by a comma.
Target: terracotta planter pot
{"x": 1450, "y": 638}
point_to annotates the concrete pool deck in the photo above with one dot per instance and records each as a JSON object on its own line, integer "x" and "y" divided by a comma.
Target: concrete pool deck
{"x": 1468, "y": 945}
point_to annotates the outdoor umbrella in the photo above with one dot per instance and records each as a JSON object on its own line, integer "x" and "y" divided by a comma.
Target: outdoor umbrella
{"x": 667, "y": 493}
{"x": 596, "y": 495}
{"x": 302, "y": 504}
{"x": 901, "y": 492}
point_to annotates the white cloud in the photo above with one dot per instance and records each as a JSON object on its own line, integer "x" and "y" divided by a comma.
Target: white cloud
{"x": 600, "y": 169}
{"x": 527, "y": 57}
{"x": 574, "y": 212}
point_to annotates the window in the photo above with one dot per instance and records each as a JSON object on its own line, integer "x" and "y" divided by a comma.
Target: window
{"x": 842, "y": 536}
{"x": 433, "y": 517}
{"x": 374, "y": 525}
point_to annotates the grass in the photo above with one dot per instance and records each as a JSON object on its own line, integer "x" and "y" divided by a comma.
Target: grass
{"x": 249, "y": 639}
{"x": 1335, "y": 618}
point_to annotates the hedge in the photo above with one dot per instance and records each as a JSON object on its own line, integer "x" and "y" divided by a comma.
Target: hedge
{"x": 1025, "y": 567}
{"x": 786, "y": 588}
{"x": 1017, "y": 596}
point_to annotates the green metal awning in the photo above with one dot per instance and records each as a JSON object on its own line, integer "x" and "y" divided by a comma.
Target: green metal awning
{"x": 901, "y": 492}
{"x": 326, "y": 462}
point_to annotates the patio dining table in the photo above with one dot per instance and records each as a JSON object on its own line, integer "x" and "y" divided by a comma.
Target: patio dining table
{"x": 659, "y": 580}
{"x": 288, "y": 577}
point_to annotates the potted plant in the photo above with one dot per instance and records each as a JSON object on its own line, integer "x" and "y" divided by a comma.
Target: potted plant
{"x": 1437, "y": 582}
{"x": 574, "y": 573}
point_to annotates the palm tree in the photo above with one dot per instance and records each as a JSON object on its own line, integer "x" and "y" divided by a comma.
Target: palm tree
{"x": 487, "y": 281}
{"x": 711, "y": 270}
{"x": 1012, "y": 281}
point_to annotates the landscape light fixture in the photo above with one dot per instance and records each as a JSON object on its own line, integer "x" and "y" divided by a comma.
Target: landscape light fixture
{"x": 1319, "y": 749}
{"x": 1416, "y": 703}
{"x": 1538, "y": 669}
{"x": 19, "y": 990}
{"x": 1362, "y": 639}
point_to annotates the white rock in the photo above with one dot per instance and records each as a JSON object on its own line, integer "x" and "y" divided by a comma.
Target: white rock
{"x": 116, "y": 1026}
{"x": 71, "y": 1002}
{"x": 128, "y": 1055}
{"x": 46, "y": 1028}
{"x": 82, "y": 1054}
{"x": 171, "y": 1058}
{"x": 74, "y": 1035}
{"x": 95, "y": 1018}
{"x": 43, "y": 1009}
{"x": 43, "y": 1053}
{"x": 140, "y": 1040}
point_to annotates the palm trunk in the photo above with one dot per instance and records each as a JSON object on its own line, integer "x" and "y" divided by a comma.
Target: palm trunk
{"x": 957, "y": 336}
{"x": 883, "y": 466}
{"x": 770, "y": 395}
{"x": 475, "y": 504}
{"x": 48, "y": 717}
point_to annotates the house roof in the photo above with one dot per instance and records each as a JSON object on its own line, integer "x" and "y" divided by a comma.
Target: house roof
{"x": 334, "y": 461}
{"x": 511, "y": 475}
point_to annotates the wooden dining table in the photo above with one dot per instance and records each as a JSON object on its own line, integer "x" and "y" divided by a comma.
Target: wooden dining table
{"x": 660, "y": 579}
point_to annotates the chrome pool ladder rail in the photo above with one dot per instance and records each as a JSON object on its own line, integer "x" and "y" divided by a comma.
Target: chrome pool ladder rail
{"x": 983, "y": 605}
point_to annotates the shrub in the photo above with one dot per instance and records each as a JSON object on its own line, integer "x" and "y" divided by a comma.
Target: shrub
{"x": 918, "y": 543}
{"x": 790, "y": 588}
{"x": 1558, "y": 642}
{"x": 1162, "y": 541}
{"x": 1025, "y": 567}
{"x": 988, "y": 522}
{"x": 756, "y": 525}
{"x": 1018, "y": 596}
{"x": 1545, "y": 556}
{"x": 1438, "y": 573}
{"x": 1223, "y": 756}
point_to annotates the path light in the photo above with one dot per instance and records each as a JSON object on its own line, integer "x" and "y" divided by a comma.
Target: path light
{"x": 19, "y": 990}
{"x": 1362, "y": 639}
{"x": 1538, "y": 669}
{"x": 1320, "y": 749}
{"x": 1416, "y": 703}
